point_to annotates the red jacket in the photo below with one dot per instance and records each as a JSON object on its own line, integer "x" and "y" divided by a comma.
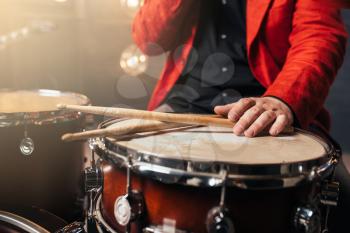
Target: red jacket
{"x": 295, "y": 48}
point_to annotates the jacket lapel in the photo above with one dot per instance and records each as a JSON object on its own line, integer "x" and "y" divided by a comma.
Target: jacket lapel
{"x": 256, "y": 10}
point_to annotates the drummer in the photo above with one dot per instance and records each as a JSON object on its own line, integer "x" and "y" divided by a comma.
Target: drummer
{"x": 258, "y": 63}
{"x": 283, "y": 53}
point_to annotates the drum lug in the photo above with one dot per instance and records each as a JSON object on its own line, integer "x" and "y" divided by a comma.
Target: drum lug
{"x": 26, "y": 145}
{"x": 218, "y": 219}
{"x": 330, "y": 193}
{"x": 129, "y": 207}
{"x": 307, "y": 219}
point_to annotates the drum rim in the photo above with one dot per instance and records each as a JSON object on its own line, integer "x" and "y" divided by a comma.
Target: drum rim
{"x": 209, "y": 174}
{"x": 21, "y": 222}
{"x": 41, "y": 117}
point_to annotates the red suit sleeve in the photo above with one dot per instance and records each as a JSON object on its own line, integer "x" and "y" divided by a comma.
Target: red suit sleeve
{"x": 318, "y": 41}
{"x": 161, "y": 25}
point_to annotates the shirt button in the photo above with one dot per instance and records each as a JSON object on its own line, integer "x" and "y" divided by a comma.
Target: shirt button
{"x": 224, "y": 69}
{"x": 223, "y": 36}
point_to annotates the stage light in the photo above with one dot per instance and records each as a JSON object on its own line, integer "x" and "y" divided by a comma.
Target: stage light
{"x": 42, "y": 26}
{"x": 131, "y": 6}
{"x": 3, "y": 39}
{"x": 22, "y": 33}
{"x": 133, "y": 61}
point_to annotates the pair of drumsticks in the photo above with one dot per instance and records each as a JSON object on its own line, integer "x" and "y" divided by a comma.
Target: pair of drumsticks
{"x": 159, "y": 121}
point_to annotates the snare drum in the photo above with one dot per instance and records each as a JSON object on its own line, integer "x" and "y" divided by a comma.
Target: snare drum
{"x": 206, "y": 179}
{"x": 37, "y": 168}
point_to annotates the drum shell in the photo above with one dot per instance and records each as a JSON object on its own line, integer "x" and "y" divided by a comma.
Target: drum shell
{"x": 50, "y": 177}
{"x": 251, "y": 210}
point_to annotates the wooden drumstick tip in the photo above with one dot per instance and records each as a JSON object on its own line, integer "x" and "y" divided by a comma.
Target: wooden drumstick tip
{"x": 61, "y": 106}
{"x": 67, "y": 137}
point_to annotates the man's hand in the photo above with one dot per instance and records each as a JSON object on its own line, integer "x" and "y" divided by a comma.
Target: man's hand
{"x": 255, "y": 114}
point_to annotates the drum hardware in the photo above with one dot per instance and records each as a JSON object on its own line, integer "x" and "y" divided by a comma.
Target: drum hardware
{"x": 330, "y": 188}
{"x": 307, "y": 219}
{"x": 217, "y": 218}
{"x": 329, "y": 197}
{"x": 329, "y": 193}
{"x": 129, "y": 207}
{"x": 22, "y": 223}
{"x": 167, "y": 227}
{"x": 93, "y": 174}
{"x": 75, "y": 227}
{"x": 93, "y": 186}
{"x": 27, "y": 144}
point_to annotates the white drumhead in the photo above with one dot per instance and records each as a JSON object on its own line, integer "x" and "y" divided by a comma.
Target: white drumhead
{"x": 37, "y": 101}
{"x": 221, "y": 145}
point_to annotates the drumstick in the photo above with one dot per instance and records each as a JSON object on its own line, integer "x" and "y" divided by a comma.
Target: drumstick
{"x": 120, "y": 130}
{"x": 160, "y": 116}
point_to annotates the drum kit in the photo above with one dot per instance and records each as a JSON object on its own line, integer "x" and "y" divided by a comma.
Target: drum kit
{"x": 155, "y": 172}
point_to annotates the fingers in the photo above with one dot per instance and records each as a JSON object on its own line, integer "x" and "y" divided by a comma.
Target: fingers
{"x": 238, "y": 109}
{"x": 247, "y": 119}
{"x": 256, "y": 114}
{"x": 279, "y": 125}
{"x": 223, "y": 109}
{"x": 264, "y": 120}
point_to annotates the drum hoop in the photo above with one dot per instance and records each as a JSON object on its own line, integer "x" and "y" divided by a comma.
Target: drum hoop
{"x": 42, "y": 117}
{"x": 209, "y": 174}
{"x": 20, "y": 222}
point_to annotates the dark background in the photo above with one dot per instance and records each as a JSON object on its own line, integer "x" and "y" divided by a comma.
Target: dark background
{"x": 75, "y": 45}
{"x": 338, "y": 102}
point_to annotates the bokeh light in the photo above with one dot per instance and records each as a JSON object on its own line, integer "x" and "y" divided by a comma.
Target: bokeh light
{"x": 36, "y": 26}
{"x": 131, "y": 6}
{"x": 133, "y": 61}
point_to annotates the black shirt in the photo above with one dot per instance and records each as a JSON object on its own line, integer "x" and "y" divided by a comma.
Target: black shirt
{"x": 217, "y": 70}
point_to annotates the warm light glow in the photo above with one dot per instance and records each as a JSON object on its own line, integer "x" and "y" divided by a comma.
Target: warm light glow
{"x": 133, "y": 61}
{"x": 133, "y": 3}
{"x": 22, "y": 33}
{"x": 131, "y": 6}
{"x": 3, "y": 39}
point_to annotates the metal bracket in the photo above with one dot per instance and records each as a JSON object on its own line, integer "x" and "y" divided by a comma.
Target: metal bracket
{"x": 329, "y": 193}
